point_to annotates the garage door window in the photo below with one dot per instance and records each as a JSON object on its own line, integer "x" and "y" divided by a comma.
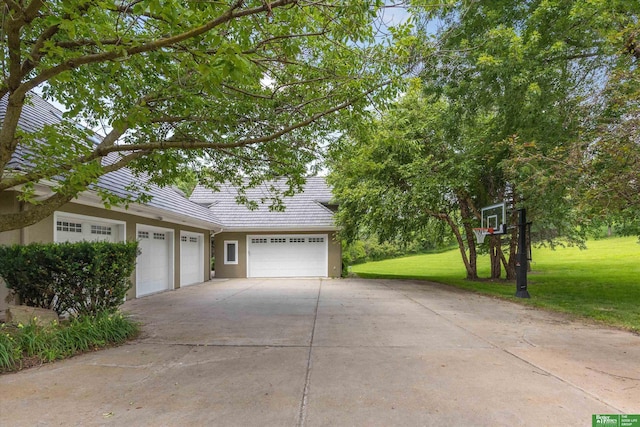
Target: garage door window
{"x": 71, "y": 227}
{"x": 230, "y": 251}
{"x": 100, "y": 229}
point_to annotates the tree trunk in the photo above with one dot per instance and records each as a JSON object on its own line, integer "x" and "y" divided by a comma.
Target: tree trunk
{"x": 509, "y": 266}
{"x": 468, "y": 218}
{"x": 35, "y": 213}
{"x": 469, "y": 261}
{"x": 472, "y": 271}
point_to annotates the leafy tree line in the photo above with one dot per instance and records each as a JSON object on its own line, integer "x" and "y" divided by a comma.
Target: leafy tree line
{"x": 224, "y": 90}
{"x": 534, "y": 103}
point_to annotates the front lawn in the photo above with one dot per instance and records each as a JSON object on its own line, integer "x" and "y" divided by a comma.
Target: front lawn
{"x": 601, "y": 282}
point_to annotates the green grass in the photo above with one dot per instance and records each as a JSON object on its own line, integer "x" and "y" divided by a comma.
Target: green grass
{"x": 601, "y": 282}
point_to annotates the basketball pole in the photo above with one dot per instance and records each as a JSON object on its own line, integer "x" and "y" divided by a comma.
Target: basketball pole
{"x": 522, "y": 259}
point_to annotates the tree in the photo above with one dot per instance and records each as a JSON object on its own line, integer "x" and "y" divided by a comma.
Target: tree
{"x": 502, "y": 80}
{"x": 399, "y": 173}
{"x": 521, "y": 78}
{"x": 595, "y": 171}
{"x": 227, "y": 89}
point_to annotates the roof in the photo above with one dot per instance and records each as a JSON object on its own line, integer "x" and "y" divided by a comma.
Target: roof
{"x": 307, "y": 210}
{"x": 164, "y": 198}
{"x": 37, "y": 113}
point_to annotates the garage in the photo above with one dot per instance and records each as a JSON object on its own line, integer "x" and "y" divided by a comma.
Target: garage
{"x": 300, "y": 255}
{"x": 191, "y": 258}
{"x": 77, "y": 228}
{"x": 154, "y": 268}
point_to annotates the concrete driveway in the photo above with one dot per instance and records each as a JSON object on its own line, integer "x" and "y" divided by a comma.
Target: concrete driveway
{"x": 311, "y": 352}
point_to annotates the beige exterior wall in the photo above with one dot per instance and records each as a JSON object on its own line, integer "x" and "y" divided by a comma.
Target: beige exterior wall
{"x": 43, "y": 232}
{"x": 335, "y": 255}
{"x": 240, "y": 270}
{"x": 229, "y": 271}
{"x": 131, "y": 221}
{"x": 8, "y": 204}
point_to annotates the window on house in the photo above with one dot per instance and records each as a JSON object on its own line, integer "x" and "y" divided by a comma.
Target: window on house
{"x": 230, "y": 251}
{"x": 143, "y": 234}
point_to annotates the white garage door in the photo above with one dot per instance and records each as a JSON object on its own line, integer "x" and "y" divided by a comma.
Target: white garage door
{"x": 154, "y": 269}
{"x": 191, "y": 258}
{"x": 76, "y": 228}
{"x": 287, "y": 255}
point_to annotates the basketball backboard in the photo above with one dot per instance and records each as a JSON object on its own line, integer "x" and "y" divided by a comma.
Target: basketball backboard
{"x": 494, "y": 218}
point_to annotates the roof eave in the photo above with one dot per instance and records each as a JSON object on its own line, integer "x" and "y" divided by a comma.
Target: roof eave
{"x": 287, "y": 229}
{"x": 89, "y": 198}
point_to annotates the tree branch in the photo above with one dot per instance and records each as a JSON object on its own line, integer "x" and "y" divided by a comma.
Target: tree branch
{"x": 70, "y": 64}
{"x": 12, "y": 221}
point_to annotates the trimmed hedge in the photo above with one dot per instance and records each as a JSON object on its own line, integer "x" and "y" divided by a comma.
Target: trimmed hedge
{"x": 84, "y": 278}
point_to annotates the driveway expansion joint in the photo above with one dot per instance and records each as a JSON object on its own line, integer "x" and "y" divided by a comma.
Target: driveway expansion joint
{"x": 305, "y": 394}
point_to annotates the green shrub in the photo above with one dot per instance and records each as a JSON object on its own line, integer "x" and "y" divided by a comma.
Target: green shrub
{"x": 46, "y": 343}
{"x": 96, "y": 276}
{"x": 82, "y": 278}
{"x": 30, "y": 272}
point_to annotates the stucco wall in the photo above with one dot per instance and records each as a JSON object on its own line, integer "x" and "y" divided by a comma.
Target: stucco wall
{"x": 239, "y": 270}
{"x": 9, "y": 204}
{"x": 223, "y": 270}
{"x": 43, "y": 232}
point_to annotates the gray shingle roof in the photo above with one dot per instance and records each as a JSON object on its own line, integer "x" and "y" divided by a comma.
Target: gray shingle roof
{"x": 165, "y": 198}
{"x": 305, "y": 210}
{"x": 38, "y": 112}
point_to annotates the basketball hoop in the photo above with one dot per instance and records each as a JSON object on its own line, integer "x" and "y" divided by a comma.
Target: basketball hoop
{"x": 481, "y": 233}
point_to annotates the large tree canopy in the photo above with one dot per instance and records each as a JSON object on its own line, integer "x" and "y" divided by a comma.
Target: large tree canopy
{"x": 398, "y": 174}
{"x": 529, "y": 102}
{"x": 229, "y": 89}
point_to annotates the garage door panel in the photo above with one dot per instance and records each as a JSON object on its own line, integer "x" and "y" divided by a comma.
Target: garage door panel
{"x": 191, "y": 259}
{"x": 153, "y": 268}
{"x": 72, "y": 229}
{"x": 287, "y": 256}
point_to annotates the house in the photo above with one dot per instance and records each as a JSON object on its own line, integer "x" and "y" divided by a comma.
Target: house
{"x": 174, "y": 233}
{"x": 299, "y": 241}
